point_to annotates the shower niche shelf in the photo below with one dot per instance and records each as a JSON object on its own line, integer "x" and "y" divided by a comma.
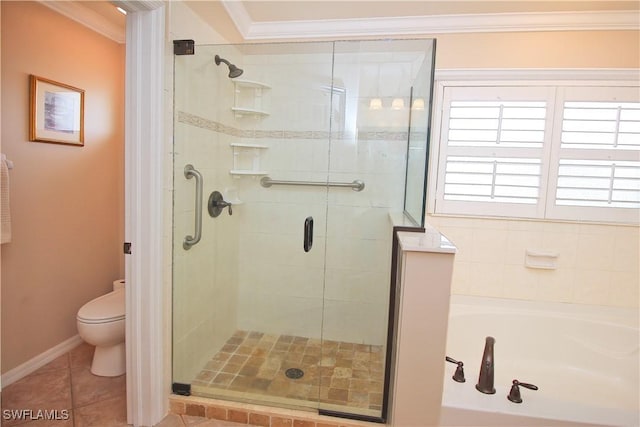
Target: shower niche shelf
{"x": 246, "y": 159}
{"x": 250, "y": 98}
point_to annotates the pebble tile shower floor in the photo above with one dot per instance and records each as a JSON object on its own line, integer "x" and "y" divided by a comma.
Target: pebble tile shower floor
{"x": 342, "y": 376}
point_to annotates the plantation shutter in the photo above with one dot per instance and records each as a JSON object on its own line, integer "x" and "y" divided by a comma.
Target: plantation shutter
{"x": 555, "y": 152}
{"x": 597, "y": 155}
{"x": 493, "y": 144}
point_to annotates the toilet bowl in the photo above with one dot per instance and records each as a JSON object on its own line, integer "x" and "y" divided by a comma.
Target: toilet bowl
{"x": 101, "y": 323}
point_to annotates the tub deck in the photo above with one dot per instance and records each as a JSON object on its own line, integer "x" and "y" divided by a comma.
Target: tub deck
{"x": 584, "y": 359}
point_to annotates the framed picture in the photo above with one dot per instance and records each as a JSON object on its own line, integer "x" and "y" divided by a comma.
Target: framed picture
{"x": 56, "y": 112}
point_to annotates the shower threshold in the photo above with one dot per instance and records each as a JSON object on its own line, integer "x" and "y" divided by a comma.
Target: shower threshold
{"x": 340, "y": 377}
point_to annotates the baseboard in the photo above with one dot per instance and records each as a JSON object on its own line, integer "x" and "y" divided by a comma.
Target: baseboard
{"x": 39, "y": 361}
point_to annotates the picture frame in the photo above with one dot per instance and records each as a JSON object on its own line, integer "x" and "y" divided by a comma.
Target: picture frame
{"x": 56, "y": 112}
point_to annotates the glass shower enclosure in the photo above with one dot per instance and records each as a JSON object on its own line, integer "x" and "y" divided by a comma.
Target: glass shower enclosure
{"x": 290, "y": 160}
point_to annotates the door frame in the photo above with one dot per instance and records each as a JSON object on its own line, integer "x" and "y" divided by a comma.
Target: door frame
{"x": 147, "y": 316}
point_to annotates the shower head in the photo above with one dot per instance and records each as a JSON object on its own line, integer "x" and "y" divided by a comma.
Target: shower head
{"x": 233, "y": 70}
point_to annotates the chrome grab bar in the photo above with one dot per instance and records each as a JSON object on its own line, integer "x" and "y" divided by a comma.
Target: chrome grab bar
{"x": 356, "y": 185}
{"x": 189, "y": 241}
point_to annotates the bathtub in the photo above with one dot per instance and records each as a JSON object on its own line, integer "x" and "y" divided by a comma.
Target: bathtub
{"x": 584, "y": 359}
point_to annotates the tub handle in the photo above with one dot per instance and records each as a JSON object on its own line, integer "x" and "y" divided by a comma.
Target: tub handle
{"x": 514, "y": 394}
{"x": 459, "y": 375}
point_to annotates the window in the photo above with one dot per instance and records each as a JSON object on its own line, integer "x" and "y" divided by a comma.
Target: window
{"x": 557, "y": 152}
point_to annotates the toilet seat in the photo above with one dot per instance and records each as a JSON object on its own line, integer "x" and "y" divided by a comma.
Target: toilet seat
{"x": 104, "y": 309}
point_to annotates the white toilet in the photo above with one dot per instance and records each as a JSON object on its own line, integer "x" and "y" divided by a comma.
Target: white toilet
{"x": 101, "y": 323}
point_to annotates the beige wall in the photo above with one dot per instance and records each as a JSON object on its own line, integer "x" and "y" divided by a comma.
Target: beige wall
{"x": 544, "y": 49}
{"x": 67, "y": 203}
{"x": 536, "y": 49}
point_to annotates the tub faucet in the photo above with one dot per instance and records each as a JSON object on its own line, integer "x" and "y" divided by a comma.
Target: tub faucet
{"x": 485, "y": 380}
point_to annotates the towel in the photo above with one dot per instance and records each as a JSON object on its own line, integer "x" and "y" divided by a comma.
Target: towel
{"x": 5, "y": 213}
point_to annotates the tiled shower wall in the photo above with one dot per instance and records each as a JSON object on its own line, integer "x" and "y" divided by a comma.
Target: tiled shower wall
{"x": 253, "y": 273}
{"x": 597, "y": 264}
{"x": 205, "y": 276}
{"x": 283, "y": 289}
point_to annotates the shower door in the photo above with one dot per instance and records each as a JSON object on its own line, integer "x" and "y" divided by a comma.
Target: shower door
{"x": 248, "y": 296}
{"x": 285, "y": 179}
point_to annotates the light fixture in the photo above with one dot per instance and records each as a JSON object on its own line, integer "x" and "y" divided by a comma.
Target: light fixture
{"x": 121, "y": 10}
{"x": 375, "y": 104}
{"x": 418, "y": 104}
{"x": 397, "y": 104}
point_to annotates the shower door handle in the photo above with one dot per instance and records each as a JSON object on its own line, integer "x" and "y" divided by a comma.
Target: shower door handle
{"x": 190, "y": 171}
{"x": 308, "y": 234}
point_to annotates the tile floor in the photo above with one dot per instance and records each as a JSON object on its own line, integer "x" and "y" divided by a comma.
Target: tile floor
{"x": 343, "y": 376}
{"x": 66, "y": 385}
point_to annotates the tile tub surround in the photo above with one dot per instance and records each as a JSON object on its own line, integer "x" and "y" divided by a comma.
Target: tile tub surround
{"x": 197, "y": 409}
{"x": 67, "y": 384}
{"x": 598, "y": 264}
{"x": 251, "y": 366}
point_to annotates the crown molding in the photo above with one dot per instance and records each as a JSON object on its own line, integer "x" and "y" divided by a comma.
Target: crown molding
{"x": 239, "y": 16}
{"x": 434, "y": 24}
{"x": 88, "y": 18}
{"x": 138, "y": 5}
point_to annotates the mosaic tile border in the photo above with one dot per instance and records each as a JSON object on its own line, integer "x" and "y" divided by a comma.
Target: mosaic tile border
{"x": 212, "y": 125}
